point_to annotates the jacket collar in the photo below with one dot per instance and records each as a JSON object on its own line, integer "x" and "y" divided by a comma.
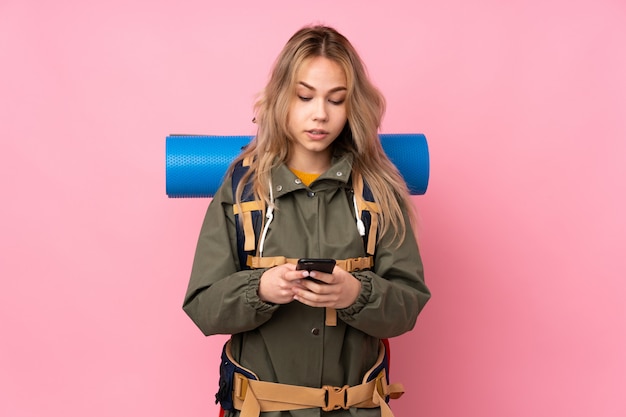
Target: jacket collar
{"x": 284, "y": 181}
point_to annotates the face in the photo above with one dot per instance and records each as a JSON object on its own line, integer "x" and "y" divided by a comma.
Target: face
{"x": 317, "y": 113}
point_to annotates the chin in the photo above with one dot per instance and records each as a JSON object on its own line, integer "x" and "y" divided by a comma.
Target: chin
{"x": 318, "y": 147}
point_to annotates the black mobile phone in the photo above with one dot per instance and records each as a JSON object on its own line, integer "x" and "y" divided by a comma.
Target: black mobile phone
{"x": 316, "y": 264}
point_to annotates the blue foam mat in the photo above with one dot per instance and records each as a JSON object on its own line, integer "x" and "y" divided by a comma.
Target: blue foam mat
{"x": 196, "y": 164}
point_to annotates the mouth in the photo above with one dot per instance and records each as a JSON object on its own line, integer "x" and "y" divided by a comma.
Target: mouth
{"x": 317, "y": 132}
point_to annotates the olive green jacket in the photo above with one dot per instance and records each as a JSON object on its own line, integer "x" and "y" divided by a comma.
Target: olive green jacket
{"x": 289, "y": 343}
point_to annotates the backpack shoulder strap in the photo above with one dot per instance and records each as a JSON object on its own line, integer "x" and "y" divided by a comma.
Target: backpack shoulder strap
{"x": 368, "y": 211}
{"x": 248, "y": 215}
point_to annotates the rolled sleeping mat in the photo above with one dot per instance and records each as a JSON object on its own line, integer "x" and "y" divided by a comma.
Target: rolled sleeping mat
{"x": 195, "y": 165}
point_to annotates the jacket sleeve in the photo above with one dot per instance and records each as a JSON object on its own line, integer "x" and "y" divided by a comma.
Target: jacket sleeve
{"x": 393, "y": 293}
{"x": 220, "y": 298}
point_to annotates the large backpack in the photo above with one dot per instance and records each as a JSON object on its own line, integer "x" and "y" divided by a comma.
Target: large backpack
{"x": 249, "y": 218}
{"x": 250, "y": 223}
{"x": 196, "y": 163}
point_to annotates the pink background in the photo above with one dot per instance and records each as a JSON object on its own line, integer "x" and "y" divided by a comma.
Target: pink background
{"x": 522, "y": 229}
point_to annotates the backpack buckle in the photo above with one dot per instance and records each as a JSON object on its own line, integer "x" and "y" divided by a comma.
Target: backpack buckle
{"x": 335, "y": 397}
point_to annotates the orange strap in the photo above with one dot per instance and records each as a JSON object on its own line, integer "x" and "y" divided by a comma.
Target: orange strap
{"x": 350, "y": 264}
{"x": 244, "y": 209}
{"x": 372, "y": 207}
{"x": 252, "y": 397}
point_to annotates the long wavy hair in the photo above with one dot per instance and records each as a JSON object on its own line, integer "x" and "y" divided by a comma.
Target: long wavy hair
{"x": 365, "y": 107}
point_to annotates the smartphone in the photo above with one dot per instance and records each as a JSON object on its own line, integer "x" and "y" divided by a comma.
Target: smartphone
{"x": 316, "y": 264}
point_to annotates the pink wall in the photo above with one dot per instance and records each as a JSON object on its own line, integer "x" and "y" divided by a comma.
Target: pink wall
{"x": 523, "y": 230}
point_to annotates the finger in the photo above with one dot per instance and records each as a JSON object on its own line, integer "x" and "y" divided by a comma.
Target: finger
{"x": 322, "y": 277}
{"x": 316, "y": 287}
{"x": 308, "y": 298}
{"x": 290, "y": 267}
{"x": 323, "y": 298}
{"x": 295, "y": 275}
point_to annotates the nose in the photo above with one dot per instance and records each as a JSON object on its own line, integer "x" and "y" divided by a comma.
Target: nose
{"x": 320, "y": 112}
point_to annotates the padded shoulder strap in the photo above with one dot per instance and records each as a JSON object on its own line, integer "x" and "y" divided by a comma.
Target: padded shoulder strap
{"x": 368, "y": 212}
{"x": 248, "y": 215}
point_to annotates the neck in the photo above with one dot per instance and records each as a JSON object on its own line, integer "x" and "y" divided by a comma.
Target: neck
{"x": 312, "y": 165}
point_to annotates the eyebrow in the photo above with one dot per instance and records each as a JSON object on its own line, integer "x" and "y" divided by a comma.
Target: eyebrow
{"x": 332, "y": 90}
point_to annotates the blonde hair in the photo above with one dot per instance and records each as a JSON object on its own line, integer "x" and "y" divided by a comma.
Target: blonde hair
{"x": 365, "y": 107}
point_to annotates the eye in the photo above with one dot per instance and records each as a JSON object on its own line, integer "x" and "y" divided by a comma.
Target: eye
{"x": 336, "y": 102}
{"x": 304, "y": 98}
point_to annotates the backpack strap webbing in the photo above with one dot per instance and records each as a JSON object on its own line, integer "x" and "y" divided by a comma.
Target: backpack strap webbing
{"x": 248, "y": 214}
{"x": 368, "y": 211}
{"x": 350, "y": 264}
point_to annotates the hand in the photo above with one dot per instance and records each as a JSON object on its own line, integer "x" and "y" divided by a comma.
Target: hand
{"x": 337, "y": 290}
{"x": 277, "y": 285}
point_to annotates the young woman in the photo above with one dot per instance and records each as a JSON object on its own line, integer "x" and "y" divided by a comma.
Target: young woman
{"x": 305, "y": 343}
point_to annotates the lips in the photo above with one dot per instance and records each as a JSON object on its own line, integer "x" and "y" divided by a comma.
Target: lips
{"x": 317, "y": 134}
